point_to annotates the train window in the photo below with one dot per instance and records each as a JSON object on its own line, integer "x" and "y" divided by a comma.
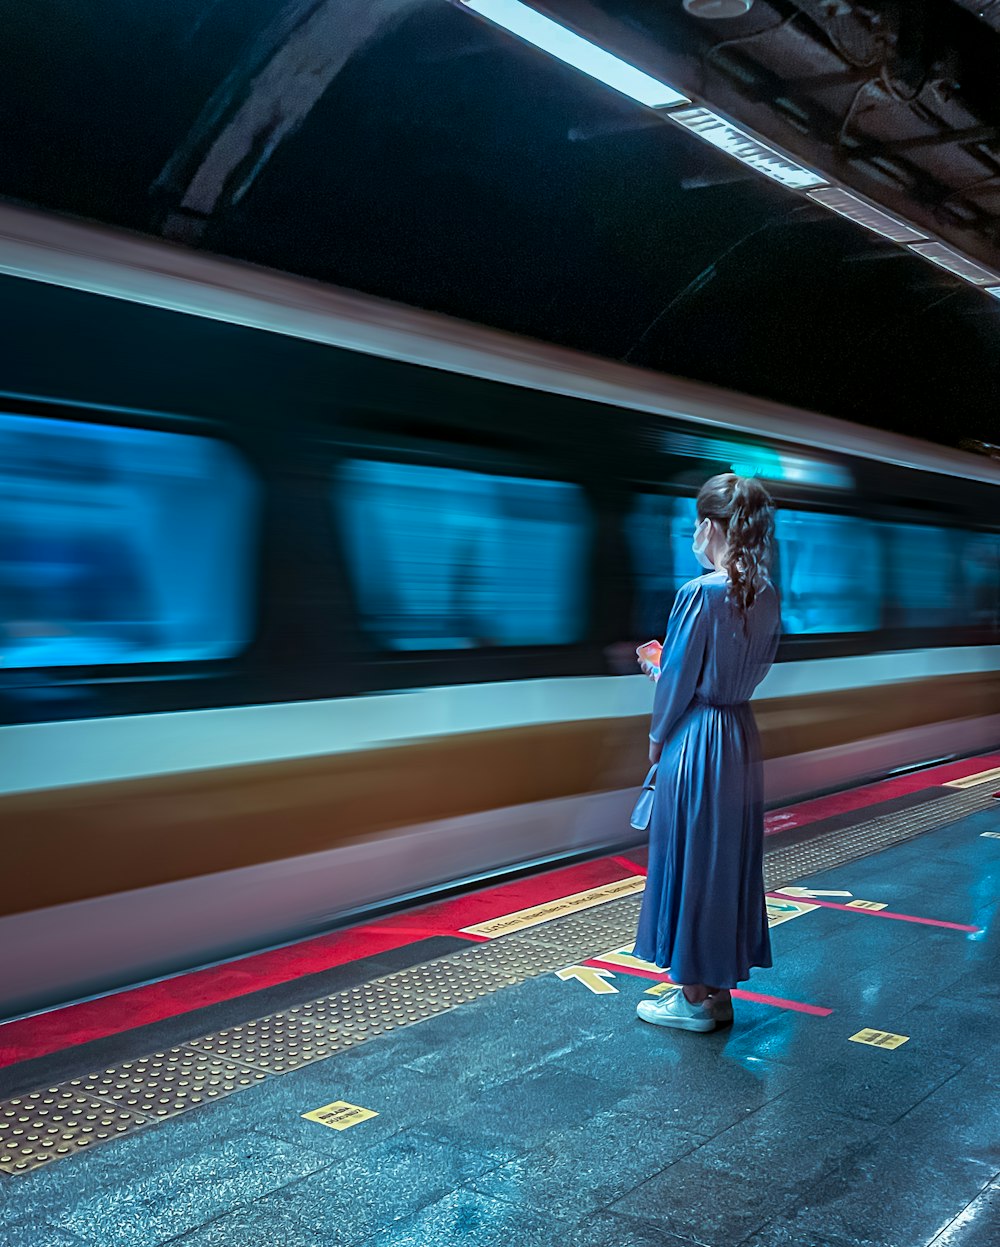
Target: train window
{"x": 659, "y": 531}
{"x": 980, "y": 574}
{"x": 924, "y": 580}
{"x": 121, "y": 545}
{"x": 943, "y": 577}
{"x": 829, "y": 571}
{"x": 443, "y": 558}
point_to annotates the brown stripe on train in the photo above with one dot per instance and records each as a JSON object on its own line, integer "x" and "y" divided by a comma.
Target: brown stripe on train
{"x": 69, "y": 844}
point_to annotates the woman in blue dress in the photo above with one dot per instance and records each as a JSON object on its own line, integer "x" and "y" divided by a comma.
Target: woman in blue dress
{"x": 703, "y": 913}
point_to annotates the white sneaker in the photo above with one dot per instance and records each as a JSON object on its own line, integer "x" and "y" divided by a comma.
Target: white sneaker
{"x": 676, "y": 1010}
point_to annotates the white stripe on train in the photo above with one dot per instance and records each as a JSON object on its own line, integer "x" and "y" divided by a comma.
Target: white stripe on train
{"x": 38, "y": 756}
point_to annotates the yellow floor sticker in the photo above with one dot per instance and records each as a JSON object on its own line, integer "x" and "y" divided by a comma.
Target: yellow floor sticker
{"x": 662, "y": 989}
{"x": 866, "y": 905}
{"x": 969, "y": 781}
{"x": 784, "y": 911}
{"x": 340, "y": 1115}
{"x": 593, "y": 979}
{"x": 879, "y": 1039}
{"x": 530, "y": 917}
{"x": 624, "y": 957}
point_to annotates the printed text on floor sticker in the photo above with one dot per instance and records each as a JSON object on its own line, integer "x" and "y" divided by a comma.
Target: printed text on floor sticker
{"x": 340, "y": 1115}
{"x": 879, "y": 1039}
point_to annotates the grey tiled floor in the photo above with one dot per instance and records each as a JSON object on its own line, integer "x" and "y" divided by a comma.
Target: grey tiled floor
{"x": 545, "y": 1114}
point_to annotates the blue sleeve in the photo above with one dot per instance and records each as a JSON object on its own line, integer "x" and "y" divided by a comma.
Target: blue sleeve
{"x": 680, "y": 665}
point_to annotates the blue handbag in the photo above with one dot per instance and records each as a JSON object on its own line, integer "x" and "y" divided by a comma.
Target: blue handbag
{"x": 643, "y": 809}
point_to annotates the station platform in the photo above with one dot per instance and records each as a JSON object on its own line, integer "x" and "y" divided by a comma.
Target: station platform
{"x": 473, "y": 1071}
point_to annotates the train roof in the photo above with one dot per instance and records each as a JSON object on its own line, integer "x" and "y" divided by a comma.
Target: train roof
{"x": 66, "y": 252}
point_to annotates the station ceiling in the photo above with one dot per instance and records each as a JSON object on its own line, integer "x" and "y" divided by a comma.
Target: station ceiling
{"x": 413, "y": 150}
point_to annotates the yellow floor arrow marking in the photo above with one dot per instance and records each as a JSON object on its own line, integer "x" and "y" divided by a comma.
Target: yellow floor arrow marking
{"x": 624, "y": 957}
{"x": 594, "y": 980}
{"x": 779, "y": 911}
{"x": 662, "y": 989}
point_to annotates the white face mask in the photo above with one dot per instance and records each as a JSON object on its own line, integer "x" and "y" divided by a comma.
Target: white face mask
{"x": 700, "y": 544}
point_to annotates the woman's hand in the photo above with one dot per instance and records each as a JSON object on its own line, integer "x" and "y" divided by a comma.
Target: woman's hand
{"x": 650, "y": 670}
{"x": 654, "y": 752}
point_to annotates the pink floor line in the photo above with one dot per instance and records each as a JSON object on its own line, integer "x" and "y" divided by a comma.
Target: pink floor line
{"x": 875, "y": 913}
{"x": 776, "y": 1002}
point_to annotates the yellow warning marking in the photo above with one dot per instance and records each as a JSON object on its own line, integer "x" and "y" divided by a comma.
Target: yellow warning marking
{"x": 879, "y": 1039}
{"x": 866, "y": 905}
{"x": 340, "y": 1115}
{"x": 595, "y": 980}
{"x": 969, "y": 781}
{"x": 784, "y": 911}
{"x": 992, "y": 835}
{"x": 624, "y": 957}
{"x": 662, "y": 989}
{"x": 517, "y": 921}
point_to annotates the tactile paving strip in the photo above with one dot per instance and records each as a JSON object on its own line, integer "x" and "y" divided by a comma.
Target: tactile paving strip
{"x": 836, "y": 848}
{"x": 582, "y": 935}
{"x": 42, "y": 1126}
{"x": 167, "y": 1083}
{"x": 274, "y": 1044}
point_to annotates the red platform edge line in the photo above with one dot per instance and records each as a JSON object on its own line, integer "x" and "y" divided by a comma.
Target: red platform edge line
{"x": 121, "y": 1011}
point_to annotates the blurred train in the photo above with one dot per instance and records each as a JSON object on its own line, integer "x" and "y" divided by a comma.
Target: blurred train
{"x": 309, "y": 602}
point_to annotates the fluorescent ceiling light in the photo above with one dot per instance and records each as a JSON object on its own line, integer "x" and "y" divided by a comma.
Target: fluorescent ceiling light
{"x": 544, "y": 33}
{"x": 955, "y": 263}
{"x": 994, "y": 291}
{"x": 729, "y": 138}
{"x": 860, "y": 210}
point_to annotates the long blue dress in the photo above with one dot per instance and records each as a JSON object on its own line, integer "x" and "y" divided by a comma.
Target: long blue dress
{"x": 703, "y": 912}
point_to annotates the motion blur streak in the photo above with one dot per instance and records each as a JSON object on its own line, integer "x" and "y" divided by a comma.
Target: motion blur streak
{"x": 295, "y": 623}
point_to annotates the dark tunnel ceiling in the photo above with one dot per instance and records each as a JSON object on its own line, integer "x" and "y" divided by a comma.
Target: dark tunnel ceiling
{"x": 409, "y": 149}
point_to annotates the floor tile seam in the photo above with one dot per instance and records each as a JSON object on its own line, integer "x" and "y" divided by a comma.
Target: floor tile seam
{"x": 243, "y": 1204}
{"x": 346, "y": 1031}
{"x": 631, "y": 1219}
{"x": 909, "y": 936}
{"x": 932, "y": 1091}
{"x": 544, "y": 1207}
{"x": 941, "y": 1238}
{"x": 624, "y": 1194}
{"x": 677, "y": 1231}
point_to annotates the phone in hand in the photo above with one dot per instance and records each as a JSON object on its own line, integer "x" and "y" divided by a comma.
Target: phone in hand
{"x": 651, "y": 652}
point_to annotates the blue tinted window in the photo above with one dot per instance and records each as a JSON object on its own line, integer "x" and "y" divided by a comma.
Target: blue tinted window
{"x": 829, "y": 571}
{"x": 924, "y": 584}
{"x": 659, "y": 531}
{"x": 980, "y": 573}
{"x": 121, "y": 545}
{"x": 448, "y": 559}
